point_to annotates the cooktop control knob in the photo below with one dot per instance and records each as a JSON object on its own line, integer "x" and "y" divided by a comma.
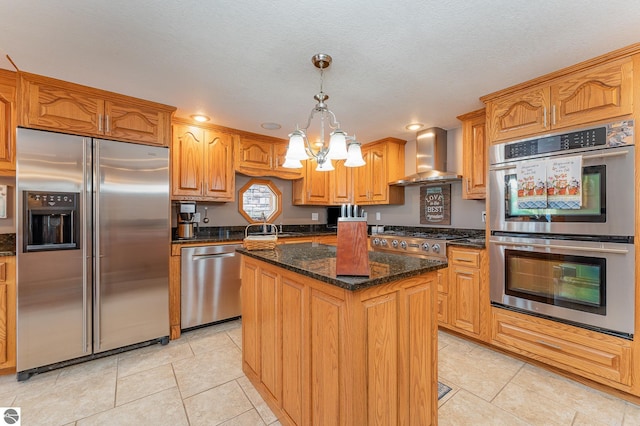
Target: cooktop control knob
{"x": 376, "y": 241}
{"x": 394, "y": 243}
{"x": 425, "y": 246}
{"x": 436, "y": 248}
{"x": 383, "y": 243}
{"x": 403, "y": 245}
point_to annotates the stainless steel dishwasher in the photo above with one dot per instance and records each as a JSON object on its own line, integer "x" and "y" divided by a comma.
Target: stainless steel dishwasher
{"x": 210, "y": 284}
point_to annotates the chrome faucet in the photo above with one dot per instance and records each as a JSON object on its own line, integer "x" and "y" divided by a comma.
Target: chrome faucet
{"x": 264, "y": 223}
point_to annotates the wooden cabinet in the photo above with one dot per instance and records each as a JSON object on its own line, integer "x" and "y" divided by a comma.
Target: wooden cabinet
{"x": 261, "y": 156}
{"x": 443, "y": 296}
{"x": 384, "y": 163}
{"x": 7, "y": 314}
{"x": 319, "y": 354}
{"x": 51, "y": 104}
{"x": 8, "y": 99}
{"x": 597, "y": 356}
{"x": 575, "y": 96}
{"x": 341, "y": 184}
{"x": 201, "y": 163}
{"x": 314, "y": 188}
{"x": 468, "y": 292}
{"x": 474, "y": 155}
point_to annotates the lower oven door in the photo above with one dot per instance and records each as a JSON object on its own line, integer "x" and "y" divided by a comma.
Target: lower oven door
{"x": 586, "y": 283}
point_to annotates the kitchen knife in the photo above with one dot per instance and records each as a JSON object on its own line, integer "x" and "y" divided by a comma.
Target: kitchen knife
{"x": 343, "y": 210}
{"x": 355, "y": 210}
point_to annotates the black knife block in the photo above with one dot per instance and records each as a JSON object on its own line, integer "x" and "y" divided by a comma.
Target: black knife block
{"x": 352, "y": 252}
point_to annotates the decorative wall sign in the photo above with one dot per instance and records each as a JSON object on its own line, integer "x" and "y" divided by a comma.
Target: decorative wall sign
{"x": 435, "y": 205}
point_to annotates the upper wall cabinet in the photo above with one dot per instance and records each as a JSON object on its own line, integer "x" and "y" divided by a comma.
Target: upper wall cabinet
{"x": 474, "y": 155}
{"x": 574, "y": 96}
{"x": 202, "y": 163}
{"x": 50, "y": 104}
{"x": 7, "y": 122}
{"x": 258, "y": 155}
{"x": 384, "y": 163}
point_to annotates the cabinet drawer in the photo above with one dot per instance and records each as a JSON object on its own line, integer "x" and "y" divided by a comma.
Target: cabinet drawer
{"x": 589, "y": 354}
{"x": 465, "y": 258}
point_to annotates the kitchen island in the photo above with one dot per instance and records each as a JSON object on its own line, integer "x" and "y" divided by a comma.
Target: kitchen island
{"x": 324, "y": 349}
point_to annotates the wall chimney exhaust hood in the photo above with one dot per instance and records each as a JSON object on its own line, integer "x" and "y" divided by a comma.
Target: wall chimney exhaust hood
{"x": 431, "y": 160}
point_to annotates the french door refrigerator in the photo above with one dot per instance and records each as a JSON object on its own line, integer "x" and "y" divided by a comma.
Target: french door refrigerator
{"x": 92, "y": 248}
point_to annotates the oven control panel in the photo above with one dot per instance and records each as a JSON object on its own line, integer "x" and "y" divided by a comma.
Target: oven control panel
{"x": 575, "y": 140}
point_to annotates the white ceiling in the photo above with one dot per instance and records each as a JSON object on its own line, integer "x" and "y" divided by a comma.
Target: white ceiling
{"x": 248, "y": 62}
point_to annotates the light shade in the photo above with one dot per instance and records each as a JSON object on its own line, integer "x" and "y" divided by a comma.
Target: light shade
{"x": 296, "y": 149}
{"x": 290, "y": 163}
{"x": 337, "y": 145}
{"x": 354, "y": 156}
{"x": 325, "y": 167}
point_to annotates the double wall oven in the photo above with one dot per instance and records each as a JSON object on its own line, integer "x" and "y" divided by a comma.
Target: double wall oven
{"x": 567, "y": 255}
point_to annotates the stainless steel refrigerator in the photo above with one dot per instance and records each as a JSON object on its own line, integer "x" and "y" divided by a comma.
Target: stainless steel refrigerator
{"x": 92, "y": 247}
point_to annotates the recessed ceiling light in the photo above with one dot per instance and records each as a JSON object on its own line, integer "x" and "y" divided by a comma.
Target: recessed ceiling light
{"x": 200, "y": 118}
{"x": 270, "y": 126}
{"x": 414, "y": 126}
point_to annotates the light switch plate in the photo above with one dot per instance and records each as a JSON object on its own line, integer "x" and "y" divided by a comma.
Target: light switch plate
{"x": 378, "y": 216}
{"x": 196, "y": 217}
{"x": 314, "y": 216}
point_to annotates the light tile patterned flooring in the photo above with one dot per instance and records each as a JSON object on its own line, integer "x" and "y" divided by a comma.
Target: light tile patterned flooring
{"x": 197, "y": 380}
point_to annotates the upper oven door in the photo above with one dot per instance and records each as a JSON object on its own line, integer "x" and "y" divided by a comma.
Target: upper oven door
{"x": 608, "y": 198}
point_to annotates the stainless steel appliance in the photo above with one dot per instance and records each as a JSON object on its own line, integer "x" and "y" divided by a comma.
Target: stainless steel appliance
{"x": 584, "y": 282}
{"x": 429, "y": 245}
{"x": 210, "y": 284}
{"x": 186, "y": 214}
{"x": 573, "y": 265}
{"x": 608, "y": 157}
{"x": 93, "y": 237}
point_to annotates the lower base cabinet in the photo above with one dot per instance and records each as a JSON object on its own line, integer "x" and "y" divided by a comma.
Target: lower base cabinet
{"x": 599, "y": 357}
{"x": 322, "y": 355}
{"x": 7, "y": 315}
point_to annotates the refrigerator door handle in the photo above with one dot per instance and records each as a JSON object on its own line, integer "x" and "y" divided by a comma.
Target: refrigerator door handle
{"x": 85, "y": 251}
{"x": 96, "y": 249}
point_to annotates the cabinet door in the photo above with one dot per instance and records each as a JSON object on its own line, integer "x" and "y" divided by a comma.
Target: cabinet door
{"x": 340, "y": 185}
{"x": 7, "y": 120}
{"x": 136, "y": 123}
{"x": 464, "y": 290}
{"x": 251, "y": 300}
{"x": 362, "y": 179}
{"x": 316, "y": 184}
{"x": 520, "y": 114}
{"x": 49, "y": 105}
{"x": 254, "y": 155}
{"x": 270, "y": 337}
{"x": 187, "y": 161}
{"x": 379, "y": 176}
{"x": 219, "y": 174}
{"x": 7, "y": 313}
{"x": 475, "y": 159}
{"x": 602, "y": 92}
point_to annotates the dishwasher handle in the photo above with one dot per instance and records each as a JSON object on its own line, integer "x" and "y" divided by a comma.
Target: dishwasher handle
{"x": 212, "y": 256}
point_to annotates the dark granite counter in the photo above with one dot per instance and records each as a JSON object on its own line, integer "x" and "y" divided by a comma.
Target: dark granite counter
{"x": 234, "y": 234}
{"x": 318, "y": 261}
{"x": 476, "y": 243}
{"x": 7, "y": 245}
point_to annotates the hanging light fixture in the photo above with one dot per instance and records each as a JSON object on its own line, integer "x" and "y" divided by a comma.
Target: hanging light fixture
{"x": 339, "y": 147}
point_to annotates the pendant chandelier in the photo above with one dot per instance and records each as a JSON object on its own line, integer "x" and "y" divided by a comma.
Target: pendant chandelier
{"x": 340, "y": 146}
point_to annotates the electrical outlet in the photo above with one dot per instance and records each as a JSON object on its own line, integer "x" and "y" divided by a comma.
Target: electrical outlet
{"x": 314, "y": 216}
{"x": 196, "y": 217}
{"x": 378, "y": 216}
{"x": 484, "y": 216}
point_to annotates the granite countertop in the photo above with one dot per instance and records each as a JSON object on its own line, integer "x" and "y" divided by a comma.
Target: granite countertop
{"x": 234, "y": 234}
{"x": 7, "y": 245}
{"x": 317, "y": 261}
{"x": 476, "y": 243}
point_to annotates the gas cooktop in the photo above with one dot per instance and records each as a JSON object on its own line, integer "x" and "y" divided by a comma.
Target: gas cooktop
{"x": 424, "y": 244}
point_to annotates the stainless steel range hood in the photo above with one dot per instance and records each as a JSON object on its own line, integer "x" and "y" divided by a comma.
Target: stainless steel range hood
{"x": 431, "y": 160}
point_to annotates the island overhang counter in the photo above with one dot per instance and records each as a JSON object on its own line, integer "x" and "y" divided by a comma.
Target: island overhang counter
{"x": 323, "y": 349}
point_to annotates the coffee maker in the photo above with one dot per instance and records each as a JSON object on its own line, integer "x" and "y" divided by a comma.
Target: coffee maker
{"x": 186, "y": 215}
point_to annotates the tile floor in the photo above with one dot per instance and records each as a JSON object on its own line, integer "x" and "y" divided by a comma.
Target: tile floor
{"x": 197, "y": 380}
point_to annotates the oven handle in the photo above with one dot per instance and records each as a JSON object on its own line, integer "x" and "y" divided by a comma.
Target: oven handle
{"x": 584, "y": 157}
{"x": 589, "y": 249}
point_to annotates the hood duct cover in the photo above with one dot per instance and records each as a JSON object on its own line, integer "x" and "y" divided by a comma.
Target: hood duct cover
{"x": 431, "y": 160}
